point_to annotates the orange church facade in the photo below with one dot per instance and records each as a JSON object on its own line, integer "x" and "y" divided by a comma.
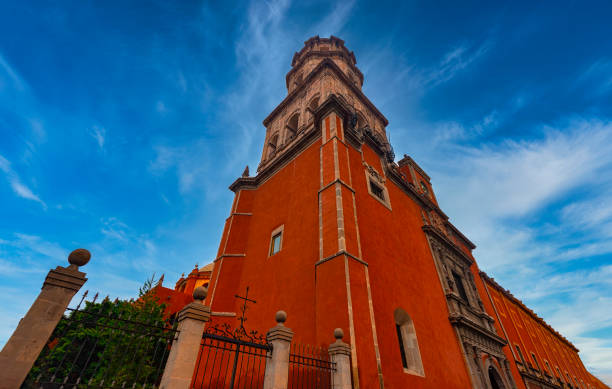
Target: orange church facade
{"x": 334, "y": 232}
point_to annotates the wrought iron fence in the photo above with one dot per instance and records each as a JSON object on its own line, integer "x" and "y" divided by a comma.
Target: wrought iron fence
{"x": 231, "y": 358}
{"x": 310, "y": 367}
{"x": 106, "y": 344}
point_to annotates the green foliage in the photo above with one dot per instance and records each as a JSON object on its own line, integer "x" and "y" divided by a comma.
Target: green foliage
{"x": 107, "y": 343}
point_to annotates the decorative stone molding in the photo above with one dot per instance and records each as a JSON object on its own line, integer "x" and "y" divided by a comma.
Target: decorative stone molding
{"x": 329, "y": 65}
{"x": 194, "y": 311}
{"x": 474, "y": 327}
{"x": 65, "y": 277}
{"x": 378, "y": 180}
{"x": 372, "y": 172}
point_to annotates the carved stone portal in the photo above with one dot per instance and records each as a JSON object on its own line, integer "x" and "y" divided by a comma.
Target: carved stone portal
{"x": 473, "y": 326}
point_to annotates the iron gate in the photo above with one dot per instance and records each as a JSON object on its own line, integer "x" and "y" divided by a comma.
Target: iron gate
{"x": 231, "y": 359}
{"x": 310, "y": 368}
{"x": 106, "y": 344}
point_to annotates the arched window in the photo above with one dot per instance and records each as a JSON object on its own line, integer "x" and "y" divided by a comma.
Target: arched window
{"x": 292, "y": 126}
{"x": 408, "y": 344}
{"x": 314, "y": 103}
{"x": 272, "y": 145}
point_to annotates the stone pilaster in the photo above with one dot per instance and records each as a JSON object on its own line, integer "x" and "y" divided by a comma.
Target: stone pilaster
{"x": 340, "y": 354}
{"x": 184, "y": 352}
{"x": 277, "y": 367}
{"x": 34, "y": 330}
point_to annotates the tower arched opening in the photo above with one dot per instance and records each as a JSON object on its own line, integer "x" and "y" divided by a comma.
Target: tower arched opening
{"x": 272, "y": 145}
{"x": 292, "y": 126}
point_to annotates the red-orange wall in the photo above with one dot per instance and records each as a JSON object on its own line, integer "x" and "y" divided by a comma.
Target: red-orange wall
{"x": 386, "y": 264}
{"x": 401, "y": 270}
{"x": 532, "y": 335}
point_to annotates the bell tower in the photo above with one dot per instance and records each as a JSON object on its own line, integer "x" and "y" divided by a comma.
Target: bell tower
{"x": 322, "y": 68}
{"x": 334, "y": 232}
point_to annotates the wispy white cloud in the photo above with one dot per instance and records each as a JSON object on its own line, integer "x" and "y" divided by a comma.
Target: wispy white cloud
{"x": 385, "y": 64}
{"x": 114, "y": 228}
{"x": 266, "y": 41}
{"x": 455, "y": 61}
{"x": 9, "y": 75}
{"x": 191, "y": 163}
{"x": 30, "y": 250}
{"x": 445, "y": 132}
{"x": 16, "y": 184}
{"x": 99, "y": 135}
{"x": 598, "y": 73}
{"x": 527, "y": 174}
{"x": 496, "y": 194}
{"x": 335, "y": 19}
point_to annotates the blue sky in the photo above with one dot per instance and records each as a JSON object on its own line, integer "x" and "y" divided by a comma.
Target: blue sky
{"x": 122, "y": 125}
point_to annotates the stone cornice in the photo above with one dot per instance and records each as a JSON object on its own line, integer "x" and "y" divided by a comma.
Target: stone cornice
{"x": 325, "y": 63}
{"x": 306, "y": 52}
{"x": 65, "y": 277}
{"x": 269, "y": 168}
{"x": 459, "y": 320}
{"x": 279, "y": 332}
{"x": 229, "y": 256}
{"x": 468, "y": 242}
{"x": 431, "y": 230}
{"x": 491, "y": 281}
{"x": 395, "y": 175}
{"x": 392, "y": 171}
{"x": 339, "y": 348}
{"x": 539, "y": 380}
{"x": 409, "y": 189}
{"x": 480, "y": 314}
{"x": 339, "y": 253}
{"x": 196, "y": 311}
{"x": 408, "y": 160}
{"x": 278, "y": 162}
{"x": 424, "y": 199}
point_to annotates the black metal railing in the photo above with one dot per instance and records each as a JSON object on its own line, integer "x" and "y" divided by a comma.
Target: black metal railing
{"x": 310, "y": 367}
{"x": 106, "y": 344}
{"x": 231, "y": 359}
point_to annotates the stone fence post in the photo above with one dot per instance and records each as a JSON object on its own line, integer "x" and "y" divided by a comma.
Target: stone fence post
{"x": 34, "y": 330}
{"x": 178, "y": 372}
{"x": 277, "y": 367}
{"x": 340, "y": 353}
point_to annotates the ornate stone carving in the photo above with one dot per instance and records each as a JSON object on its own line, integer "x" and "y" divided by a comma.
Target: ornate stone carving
{"x": 473, "y": 326}
{"x": 379, "y": 177}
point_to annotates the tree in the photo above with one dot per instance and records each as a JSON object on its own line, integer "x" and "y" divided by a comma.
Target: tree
{"x": 107, "y": 343}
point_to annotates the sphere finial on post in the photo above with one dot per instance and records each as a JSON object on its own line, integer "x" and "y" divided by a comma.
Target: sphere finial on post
{"x": 79, "y": 257}
{"x": 281, "y": 317}
{"x": 200, "y": 293}
{"x": 338, "y": 334}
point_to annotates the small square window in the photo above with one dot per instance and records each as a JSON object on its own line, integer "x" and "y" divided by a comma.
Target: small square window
{"x": 275, "y": 245}
{"x": 377, "y": 191}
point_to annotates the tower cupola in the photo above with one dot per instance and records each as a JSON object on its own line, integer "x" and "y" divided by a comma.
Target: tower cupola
{"x": 314, "y": 51}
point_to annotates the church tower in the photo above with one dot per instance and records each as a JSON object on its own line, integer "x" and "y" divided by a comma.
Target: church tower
{"x": 337, "y": 234}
